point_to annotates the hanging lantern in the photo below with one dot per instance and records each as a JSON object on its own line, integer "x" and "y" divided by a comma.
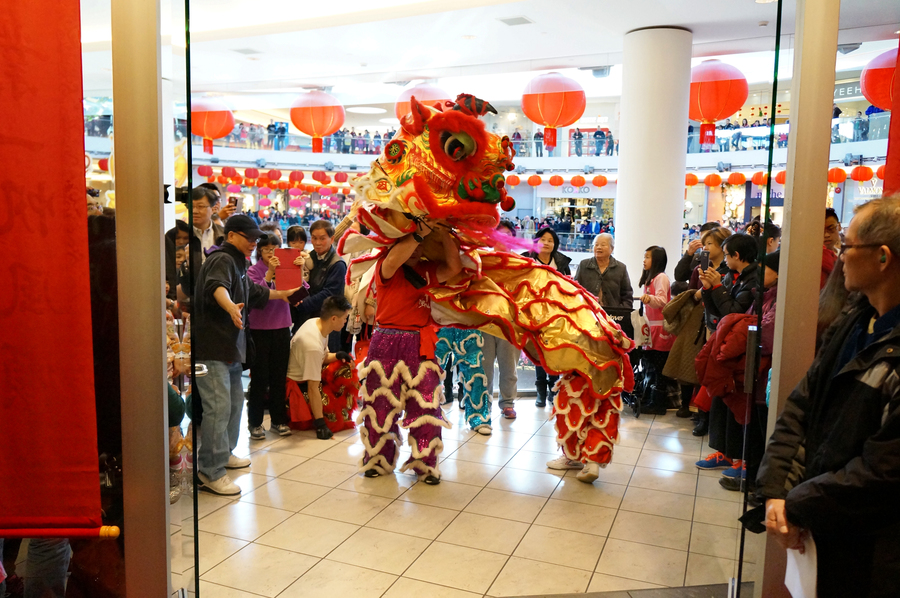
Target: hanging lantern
{"x": 781, "y": 177}
{"x": 296, "y": 176}
{"x": 233, "y": 188}
{"x": 346, "y": 191}
{"x": 237, "y": 180}
{"x": 760, "y": 179}
{"x": 861, "y": 174}
{"x": 202, "y": 170}
{"x": 325, "y": 191}
{"x": 876, "y": 80}
{"x": 553, "y": 101}
{"x": 736, "y": 178}
{"x": 578, "y": 181}
{"x": 274, "y": 175}
{"x": 210, "y": 119}
{"x": 318, "y": 175}
{"x": 712, "y": 180}
{"x": 326, "y": 180}
{"x": 599, "y": 181}
{"x": 837, "y": 176}
{"x": 265, "y": 202}
{"x": 718, "y": 90}
{"x": 340, "y": 177}
{"x": 249, "y": 182}
{"x": 221, "y": 179}
{"x": 880, "y": 172}
{"x": 264, "y": 191}
{"x": 295, "y": 203}
{"x": 513, "y": 180}
{"x": 294, "y": 192}
{"x": 690, "y": 179}
{"x": 534, "y": 180}
{"x": 251, "y": 173}
{"x": 103, "y": 165}
{"x": 556, "y": 180}
{"x": 317, "y": 114}
{"x": 229, "y": 171}
{"x": 210, "y": 179}
{"x": 425, "y": 94}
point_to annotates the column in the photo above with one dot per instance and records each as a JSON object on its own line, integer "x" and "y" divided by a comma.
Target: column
{"x": 812, "y": 91}
{"x": 656, "y": 84}
{"x": 139, "y": 234}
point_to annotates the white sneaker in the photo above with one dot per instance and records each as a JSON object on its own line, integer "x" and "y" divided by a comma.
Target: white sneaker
{"x": 484, "y": 429}
{"x": 235, "y": 462}
{"x": 590, "y": 472}
{"x": 564, "y": 462}
{"x": 223, "y": 486}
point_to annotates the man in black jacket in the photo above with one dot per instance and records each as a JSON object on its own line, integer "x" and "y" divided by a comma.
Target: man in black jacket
{"x": 326, "y": 279}
{"x": 842, "y": 422}
{"x": 222, "y": 298}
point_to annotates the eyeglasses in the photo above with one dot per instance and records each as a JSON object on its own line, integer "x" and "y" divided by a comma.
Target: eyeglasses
{"x": 846, "y": 246}
{"x": 249, "y": 240}
{"x": 833, "y": 228}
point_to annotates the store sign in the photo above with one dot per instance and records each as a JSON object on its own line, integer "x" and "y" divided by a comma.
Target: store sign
{"x": 847, "y": 91}
{"x": 873, "y": 190}
{"x": 572, "y": 190}
{"x": 775, "y": 194}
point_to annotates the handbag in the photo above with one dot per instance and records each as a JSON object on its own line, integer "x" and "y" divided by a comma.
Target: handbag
{"x": 641, "y": 327}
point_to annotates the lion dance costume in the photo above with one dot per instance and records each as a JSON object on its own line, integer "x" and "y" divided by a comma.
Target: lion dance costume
{"x": 465, "y": 347}
{"x": 443, "y": 164}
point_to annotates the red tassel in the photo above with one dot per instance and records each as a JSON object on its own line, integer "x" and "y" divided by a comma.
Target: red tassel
{"x": 317, "y": 145}
{"x": 549, "y": 138}
{"x": 207, "y": 145}
{"x": 707, "y": 134}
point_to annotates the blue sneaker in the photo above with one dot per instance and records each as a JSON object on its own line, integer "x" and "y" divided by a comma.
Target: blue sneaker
{"x": 715, "y": 461}
{"x": 738, "y": 470}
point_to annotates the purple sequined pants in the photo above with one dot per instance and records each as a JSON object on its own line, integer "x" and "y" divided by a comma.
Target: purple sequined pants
{"x": 400, "y": 388}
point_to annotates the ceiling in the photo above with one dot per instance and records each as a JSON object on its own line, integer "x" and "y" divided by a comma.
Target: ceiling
{"x": 267, "y": 51}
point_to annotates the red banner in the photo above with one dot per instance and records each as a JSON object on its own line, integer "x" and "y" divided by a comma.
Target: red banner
{"x": 48, "y": 437}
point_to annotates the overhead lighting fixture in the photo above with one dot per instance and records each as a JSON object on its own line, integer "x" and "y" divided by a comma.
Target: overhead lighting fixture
{"x": 390, "y": 121}
{"x": 514, "y": 21}
{"x": 847, "y": 48}
{"x": 765, "y": 1}
{"x": 366, "y": 110}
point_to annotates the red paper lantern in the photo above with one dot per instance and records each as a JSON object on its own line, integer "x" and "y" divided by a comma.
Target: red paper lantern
{"x": 237, "y": 180}
{"x": 210, "y": 179}
{"x": 712, "y": 180}
{"x": 553, "y": 101}
{"x": 284, "y": 185}
{"x": 201, "y": 170}
{"x": 296, "y": 176}
{"x": 760, "y": 179}
{"x": 425, "y": 94}
{"x": 210, "y": 119}
{"x": 861, "y": 174}
{"x": 736, "y": 178}
{"x": 326, "y": 180}
{"x": 718, "y": 90}
{"x": 340, "y": 177}
{"x": 534, "y": 180}
{"x": 222, "y": 179}
{"x": 877, "y": 79}
{"x": 599, "y": 181}
{"x": 837, "y": 175}
{"x": 513, "y": 180}
{"x": 249, "y": 182}
{"x": 556, "y": 180}
{"x": 346, "y": 191}
{"x": 317, "y": 114}
{"x": 251, "y": 173}
{"x": 318, "y": 175}
{"x": 229, "y": 171}
{"x": 781, "y": 177}
{"x": 880, "y": 172}
{"x": 103, "y": 165}
{"x": 578, "y": 181}
{"x": 274, "y": 175}
{"x": 690, "y": 179}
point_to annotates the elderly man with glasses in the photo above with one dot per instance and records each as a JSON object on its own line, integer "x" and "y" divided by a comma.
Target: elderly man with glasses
{"x": 223, "y": 295}
{"x": 832, "y": 467}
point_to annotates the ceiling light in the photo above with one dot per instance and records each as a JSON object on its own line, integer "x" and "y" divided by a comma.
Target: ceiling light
{"x": 390, "y": 121}
{"x": 366, "y": 110}
{"x": 764, "y": 1}
{"x": 513, "y": 21}
{"x": 468, "y": 37}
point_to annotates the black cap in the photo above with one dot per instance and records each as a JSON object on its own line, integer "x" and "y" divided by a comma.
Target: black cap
{"x": 240, "y": 223}
{"x": 772, "y": 260}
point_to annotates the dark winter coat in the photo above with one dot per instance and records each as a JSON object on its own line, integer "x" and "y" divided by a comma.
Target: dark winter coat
{"x": 615, "y": 282}
{"x": 730, "y": 297}
{"x": 684, "y": 318}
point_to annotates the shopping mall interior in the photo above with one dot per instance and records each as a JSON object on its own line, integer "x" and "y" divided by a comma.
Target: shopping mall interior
{"x": 640, "y": 120}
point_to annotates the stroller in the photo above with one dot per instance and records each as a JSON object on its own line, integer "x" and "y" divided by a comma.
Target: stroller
{"x": 622, "y": 317}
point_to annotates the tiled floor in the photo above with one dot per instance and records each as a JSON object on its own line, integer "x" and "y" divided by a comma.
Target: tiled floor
{"x": 500, "y": 523}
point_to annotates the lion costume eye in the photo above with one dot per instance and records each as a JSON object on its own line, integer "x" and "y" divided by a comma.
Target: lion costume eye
{"x": 458, "y": 146}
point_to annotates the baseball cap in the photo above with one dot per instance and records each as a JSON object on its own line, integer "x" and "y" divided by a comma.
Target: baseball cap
{"x": 240, "y": 223}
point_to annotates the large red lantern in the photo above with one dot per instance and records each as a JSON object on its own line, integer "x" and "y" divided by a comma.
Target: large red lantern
{"x": 862, "y": 174}
{"x": 274, "y": 175}
{"x": 737, "y": 178}
{"x": 837, "y": 175}
{"x": 712, "y": 180}
{"x": 222, "y": 179}
{"x": 718, "y": 90}
{"x": 318, "y": 175}
{"x": 317, "y": 114}
{"x": 534, "y": 180}
{"x": 877, "y": 79}
{"x": 340, "y": 177}
{"x": 599, "y": 181}
{"x": 578, "y": 181}
{"x": 205, "y": 170}
{"x": 781, "y": 177}
{"x": 251, "y": 173}
{"x": 425, "y": 94}
{"x": 880, "y": 172}
{"x": 556, "y": 180}
{"x": 210, "y": 119}
{"x": 513, "y": 180}
{"x": 690, "y": 179}
{"x": 296, "y": 176}
{"x": 283, "y": 185}
{"x": 229, "y": 171}
{"x": 760, "y": 179}
{"x": 553, "y": 101}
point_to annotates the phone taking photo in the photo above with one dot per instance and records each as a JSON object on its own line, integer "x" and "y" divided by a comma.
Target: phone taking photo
{"x": 238, "y": 203}
{"x": 704, "y": 261}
